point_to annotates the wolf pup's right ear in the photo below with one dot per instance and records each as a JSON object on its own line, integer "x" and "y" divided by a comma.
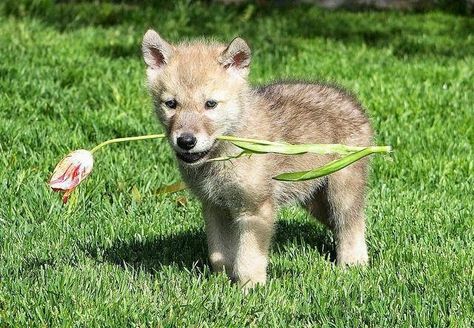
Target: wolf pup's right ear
{"x": 236, "y": 57}
{"x": 156, "y": 53}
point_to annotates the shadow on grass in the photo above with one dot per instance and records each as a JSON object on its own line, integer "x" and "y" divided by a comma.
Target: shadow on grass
{"x": 116, "y": 51}
{"x": 188, "y": 250}
{"x": 407, "y": 34}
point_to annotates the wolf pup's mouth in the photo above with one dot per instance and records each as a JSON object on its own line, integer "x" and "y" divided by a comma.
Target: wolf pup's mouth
{"x": 191, "y": 157}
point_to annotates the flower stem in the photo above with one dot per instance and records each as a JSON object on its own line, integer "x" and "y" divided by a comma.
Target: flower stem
{"x": 257, "y": 141}
{"x": 150, "y": 136}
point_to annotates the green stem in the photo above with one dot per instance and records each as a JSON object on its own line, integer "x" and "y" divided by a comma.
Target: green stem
{"x": 262, "y": 142}
{"x": 225, "y": 158}
{"x": 293, "y": 149}
{"x": 105, "y": 143}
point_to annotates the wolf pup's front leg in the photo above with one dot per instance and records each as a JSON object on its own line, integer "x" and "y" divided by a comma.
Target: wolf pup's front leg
{"x": 221, "y": 238}
{"x": 254, "y": 229}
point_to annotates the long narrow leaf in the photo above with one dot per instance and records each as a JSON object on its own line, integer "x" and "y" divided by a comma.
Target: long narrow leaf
{"x": 264, "y": 147}
{"x": 329, "y": 168}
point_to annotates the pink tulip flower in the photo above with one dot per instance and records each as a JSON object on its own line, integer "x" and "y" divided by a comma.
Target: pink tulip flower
{"x": 70, "y": 171}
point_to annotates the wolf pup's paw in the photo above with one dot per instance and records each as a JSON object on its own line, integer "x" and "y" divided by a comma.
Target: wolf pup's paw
{"x": 354, "y": 256}
{"x": 220, "y": 263}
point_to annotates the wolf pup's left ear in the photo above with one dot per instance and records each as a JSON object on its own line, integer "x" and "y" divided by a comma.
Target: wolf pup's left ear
{"x": 236, "y": 57}
{"x": 156, "y": 53}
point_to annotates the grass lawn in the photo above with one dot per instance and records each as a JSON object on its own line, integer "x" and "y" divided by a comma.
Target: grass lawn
{"x": 72, "y": 76}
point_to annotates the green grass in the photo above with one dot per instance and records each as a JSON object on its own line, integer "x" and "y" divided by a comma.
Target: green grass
{"x": 72, "y": 76}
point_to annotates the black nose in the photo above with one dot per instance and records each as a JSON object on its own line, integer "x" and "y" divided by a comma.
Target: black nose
{"x": 186, "y": 141}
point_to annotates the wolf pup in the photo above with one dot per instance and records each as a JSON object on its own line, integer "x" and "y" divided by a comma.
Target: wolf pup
{"x": 200, "y": 91}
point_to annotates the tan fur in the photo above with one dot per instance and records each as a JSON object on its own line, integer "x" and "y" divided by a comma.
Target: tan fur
{"x": 240, "y": 199}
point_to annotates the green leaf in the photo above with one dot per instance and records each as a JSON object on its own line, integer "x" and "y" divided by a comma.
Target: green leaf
{"x": 136, "y": 195}
{"x": 264, "y": 147}
{"x": 329, "y": 168}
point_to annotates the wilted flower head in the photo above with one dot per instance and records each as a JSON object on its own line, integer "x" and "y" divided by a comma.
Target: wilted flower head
{"x": 70, "y": 171}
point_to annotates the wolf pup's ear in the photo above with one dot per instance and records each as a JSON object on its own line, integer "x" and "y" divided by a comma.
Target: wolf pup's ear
{"x": 236, "y": 57}
{"x": 156, "y": 52}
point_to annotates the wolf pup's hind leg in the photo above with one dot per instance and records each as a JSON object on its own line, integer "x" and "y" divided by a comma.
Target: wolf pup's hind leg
{"x": 346, "y": 195}
{"x": 340, "y": 206}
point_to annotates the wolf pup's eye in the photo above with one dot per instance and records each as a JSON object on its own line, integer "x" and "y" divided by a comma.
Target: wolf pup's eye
{"x": 171, "y": 103}
{"x": 210, "y": 104}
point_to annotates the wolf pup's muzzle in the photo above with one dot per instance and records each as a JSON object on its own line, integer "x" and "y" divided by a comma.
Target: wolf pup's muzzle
{"x": 187, "y": 142}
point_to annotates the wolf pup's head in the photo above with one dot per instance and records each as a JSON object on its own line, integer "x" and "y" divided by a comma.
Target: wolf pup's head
{"x": 198, "y": 91}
